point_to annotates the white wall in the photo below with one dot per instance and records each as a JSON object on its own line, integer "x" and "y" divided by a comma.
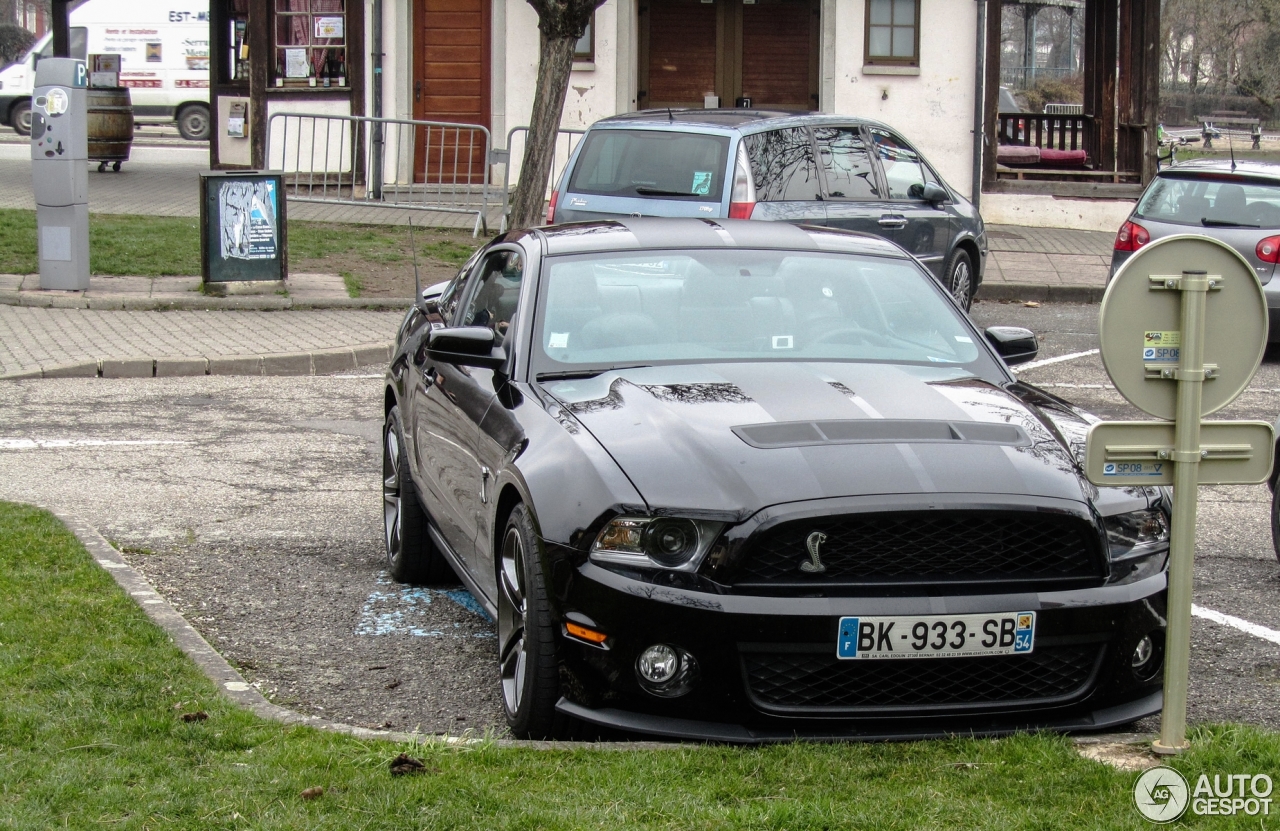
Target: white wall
{"x": 934, "y": 109}
{"x": 1055, "y": 212}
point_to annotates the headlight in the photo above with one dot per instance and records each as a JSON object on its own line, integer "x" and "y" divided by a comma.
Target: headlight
{"x": 661, "y": 542}
{"x": 1137, "y": 533}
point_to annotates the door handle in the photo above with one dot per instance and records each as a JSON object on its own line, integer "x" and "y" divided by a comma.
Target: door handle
{"x": 891, "y": 221}
{"x": 429, "y": 376}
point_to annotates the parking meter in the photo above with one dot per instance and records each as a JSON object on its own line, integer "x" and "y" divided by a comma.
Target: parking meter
{"x": 60, "y": 172}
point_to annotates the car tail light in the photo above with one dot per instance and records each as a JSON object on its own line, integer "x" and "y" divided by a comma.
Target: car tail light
{"x": 1132, "y": 236}
{"x": 742, "y": 200}
{"x": 1268, "y": 250}
{"x": 551, "y": 207}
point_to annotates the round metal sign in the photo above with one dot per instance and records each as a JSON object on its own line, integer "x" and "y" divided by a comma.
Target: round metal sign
{"x": 1140, "y": 326}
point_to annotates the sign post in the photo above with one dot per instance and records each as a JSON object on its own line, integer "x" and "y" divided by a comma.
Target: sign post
{"x": 1183, "y": 328}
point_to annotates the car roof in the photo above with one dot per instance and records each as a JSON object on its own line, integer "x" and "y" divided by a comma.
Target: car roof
{"x": 725, "y": 120}
{"x": 1241, "y": 167}
{"x": 658, "y": 233}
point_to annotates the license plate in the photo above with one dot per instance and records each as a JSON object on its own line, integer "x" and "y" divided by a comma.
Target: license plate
{"x": 936, "y": 636}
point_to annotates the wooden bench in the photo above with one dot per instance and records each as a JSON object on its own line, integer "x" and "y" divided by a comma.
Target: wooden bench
{"x": 1208, "y": 122}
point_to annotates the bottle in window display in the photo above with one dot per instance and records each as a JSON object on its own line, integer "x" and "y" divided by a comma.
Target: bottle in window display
{"x": 279, "y": 70}
{"x": 342, "y": 68}
{"x": 325, "y": 71}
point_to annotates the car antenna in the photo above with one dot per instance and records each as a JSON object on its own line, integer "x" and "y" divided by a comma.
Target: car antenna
{"x": 417, "y": 283}
{"x": 1232, "y": 148}
{"x": 670, "y": 117}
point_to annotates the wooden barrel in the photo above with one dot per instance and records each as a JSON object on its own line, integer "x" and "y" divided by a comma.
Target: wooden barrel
{"x": 110, "y": 124}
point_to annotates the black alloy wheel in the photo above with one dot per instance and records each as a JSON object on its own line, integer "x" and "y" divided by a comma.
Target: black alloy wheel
{"x": 527, "y": 656}
{"x": 960, "y": 282}
{"x": 411, "y": 556}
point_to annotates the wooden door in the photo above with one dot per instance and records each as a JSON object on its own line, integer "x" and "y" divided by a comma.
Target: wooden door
{"x": 780, "y": 54}
{"x": 681, "y": 53}
{"x": 451, "y": 84}
{"x": 765, "y": 50}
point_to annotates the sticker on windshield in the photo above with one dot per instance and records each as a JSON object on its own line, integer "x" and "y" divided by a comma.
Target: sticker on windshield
{"x": 558, "y": 340}
{"x": 963, "y": 339}
{"x": 701, "y": 183}
{"x": 1161, "y": 347}
{"x": 783, "y": 342}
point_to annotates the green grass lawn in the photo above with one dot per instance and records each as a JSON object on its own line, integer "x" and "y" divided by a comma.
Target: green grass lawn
{"x": 91, "y": 736}
{"x": 152, "y": 246}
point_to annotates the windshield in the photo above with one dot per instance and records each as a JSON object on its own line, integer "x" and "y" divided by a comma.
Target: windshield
{"x": 698, "y": 306}
{"x": 652, "y": 164}
{"x": 1225, "y": 201}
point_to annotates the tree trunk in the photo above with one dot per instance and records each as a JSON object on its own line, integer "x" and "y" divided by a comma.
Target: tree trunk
{"x": 555, "y": 60}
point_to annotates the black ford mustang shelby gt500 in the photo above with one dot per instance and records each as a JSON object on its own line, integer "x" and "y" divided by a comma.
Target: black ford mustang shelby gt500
{"x": 746, "y": 481}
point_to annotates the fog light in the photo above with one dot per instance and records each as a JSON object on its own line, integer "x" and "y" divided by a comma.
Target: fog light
{"x": 1146, "y": 657}
{"x": 658, "y": 664}
{"x": 666, "y": 671}
{"x": 1142, "y": 654}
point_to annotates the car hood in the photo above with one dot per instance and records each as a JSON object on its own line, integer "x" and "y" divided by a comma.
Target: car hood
{"x": 738, "y": 437}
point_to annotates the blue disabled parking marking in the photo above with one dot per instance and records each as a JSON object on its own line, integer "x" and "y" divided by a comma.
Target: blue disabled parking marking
{"x": 402, "y": 610}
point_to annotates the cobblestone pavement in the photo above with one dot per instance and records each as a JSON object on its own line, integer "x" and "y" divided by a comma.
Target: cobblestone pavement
{"x": 31, "y": 338}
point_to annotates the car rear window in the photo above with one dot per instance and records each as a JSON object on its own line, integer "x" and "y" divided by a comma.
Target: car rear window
{"x": 1217, "y": 201}
{"x": 652, "y": 164}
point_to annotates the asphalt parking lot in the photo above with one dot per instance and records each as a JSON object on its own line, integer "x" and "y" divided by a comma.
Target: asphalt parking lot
{"x": 253, "y": 504}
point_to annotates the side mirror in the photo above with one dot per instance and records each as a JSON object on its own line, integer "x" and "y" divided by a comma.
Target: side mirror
{"x": 933, "y": 193}
{"x": 1013, "y": 343}
{"x": 467, "y": 346}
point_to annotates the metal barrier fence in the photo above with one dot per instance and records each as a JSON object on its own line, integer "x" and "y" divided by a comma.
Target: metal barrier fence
{"x": 564, "y": 149}
{"x": 383, "y": 162}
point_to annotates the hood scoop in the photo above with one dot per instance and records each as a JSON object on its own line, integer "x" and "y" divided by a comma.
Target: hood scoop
{"x": 878, "y": 431}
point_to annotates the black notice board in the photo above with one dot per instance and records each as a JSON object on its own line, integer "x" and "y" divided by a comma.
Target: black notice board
{"x": 242, "y": 226}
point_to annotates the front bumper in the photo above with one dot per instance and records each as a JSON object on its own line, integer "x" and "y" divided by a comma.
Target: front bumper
{"x": 729, "y": 633}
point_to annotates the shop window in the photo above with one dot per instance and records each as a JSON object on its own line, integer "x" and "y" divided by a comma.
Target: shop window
{"x": 893, "y": 32}
{"x": 310, "y": 43}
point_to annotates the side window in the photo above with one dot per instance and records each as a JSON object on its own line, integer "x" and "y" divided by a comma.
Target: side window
{"x": 903, "y": 169}
{"x": 497, "y": 293}
{"x": 453, "y": 292}
{"x": 846, "y": 163}
{"x": 783, "y": 166}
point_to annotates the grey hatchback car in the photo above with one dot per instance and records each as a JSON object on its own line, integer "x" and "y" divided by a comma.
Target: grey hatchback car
{"x": 809, "y": 169}
{"x": 1235, "y": 202}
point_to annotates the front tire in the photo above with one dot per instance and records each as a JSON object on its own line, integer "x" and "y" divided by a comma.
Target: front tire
{"x": 1275, "y": 519}
{"x": 20, "y": 118}
{"x": 527, "y": 656}
{"x": 960, "y": 279}
{"x": 193, "y": 123}
{"x": 411, "y": 556}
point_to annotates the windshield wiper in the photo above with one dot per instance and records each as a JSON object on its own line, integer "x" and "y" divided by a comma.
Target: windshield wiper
{"x": 1224, "y": 223}
{"x": 643, "y": 191}
{"x": 575, "y": 374}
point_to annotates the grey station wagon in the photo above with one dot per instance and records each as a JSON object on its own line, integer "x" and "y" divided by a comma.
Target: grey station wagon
{"x": 831, "y": 170}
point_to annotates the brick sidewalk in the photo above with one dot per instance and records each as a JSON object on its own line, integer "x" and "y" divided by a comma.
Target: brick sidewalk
{"x": 87, "y": 342}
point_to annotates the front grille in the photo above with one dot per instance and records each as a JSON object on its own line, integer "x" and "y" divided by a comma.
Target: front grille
{"x": 924, "y": 547}
{"x": 795, "y": 681}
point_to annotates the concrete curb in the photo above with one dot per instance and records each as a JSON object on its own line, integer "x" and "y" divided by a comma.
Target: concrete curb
{"x": 318, "y": 362}
{"x": 232, "y": 684}
{"x": 1043, "y": 293}
{"x": 198, "y": 302}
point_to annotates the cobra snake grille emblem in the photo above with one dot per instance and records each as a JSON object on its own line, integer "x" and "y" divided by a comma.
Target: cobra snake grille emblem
{"x": 814, "y": 565}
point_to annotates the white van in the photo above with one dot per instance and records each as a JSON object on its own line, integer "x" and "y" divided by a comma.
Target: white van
{"x": 164, "y": 60}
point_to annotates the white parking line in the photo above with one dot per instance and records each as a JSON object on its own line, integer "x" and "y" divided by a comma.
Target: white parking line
{"x": 45, "y": 444}
{"x": 1236, "y": 623}
{"x": 1056, "y": 360}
